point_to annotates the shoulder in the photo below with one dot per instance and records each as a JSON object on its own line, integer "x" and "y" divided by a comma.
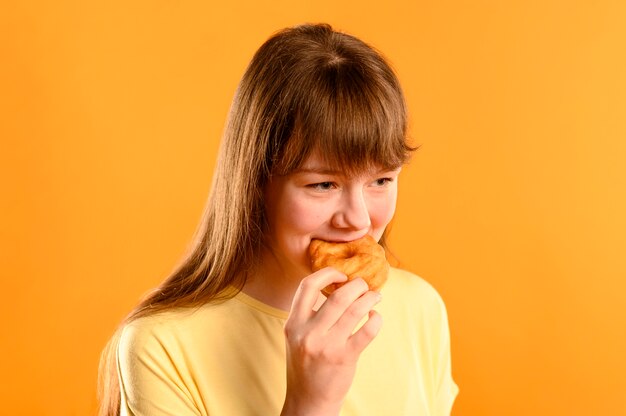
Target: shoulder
{"x": 404, "y": 283}
{"x": 175, "y": 330}
{"x": 168, "y": 327}
{"x": 159, "y": 344}
{"x": 415, "y": 295}
{"x": 149, "y": 334}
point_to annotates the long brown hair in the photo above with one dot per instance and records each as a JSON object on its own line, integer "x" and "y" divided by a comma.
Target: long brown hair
{"x": 307, "y": 88}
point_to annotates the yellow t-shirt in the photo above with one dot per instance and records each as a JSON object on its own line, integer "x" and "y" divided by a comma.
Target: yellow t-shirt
{"x": 228, "y": 359}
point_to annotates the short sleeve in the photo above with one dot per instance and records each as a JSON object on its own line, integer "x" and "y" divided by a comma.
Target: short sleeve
{"x": 150, "y": 383}
{"x": 446, "y": 388}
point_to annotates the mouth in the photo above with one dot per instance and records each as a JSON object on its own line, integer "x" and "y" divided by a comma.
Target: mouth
{"x": 338, "y": 241}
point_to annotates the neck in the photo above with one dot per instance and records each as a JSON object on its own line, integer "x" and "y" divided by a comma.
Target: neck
{"x": 273, "y": 282}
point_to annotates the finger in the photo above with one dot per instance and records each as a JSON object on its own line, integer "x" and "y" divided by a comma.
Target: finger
{"x": 339, "y": 302}
{"x": 308, "y": 291}
{"x": 364, "y": 336}
{"x": 350, "y": 319}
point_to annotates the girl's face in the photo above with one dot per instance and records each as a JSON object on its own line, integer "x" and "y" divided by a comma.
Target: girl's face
{"x": 317, "y": 202}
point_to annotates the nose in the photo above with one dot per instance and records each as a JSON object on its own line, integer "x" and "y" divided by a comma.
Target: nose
{"x": 352, "y": 212}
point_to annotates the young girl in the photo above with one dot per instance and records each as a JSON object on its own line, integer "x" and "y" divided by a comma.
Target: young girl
{"x": 313, "y": 147}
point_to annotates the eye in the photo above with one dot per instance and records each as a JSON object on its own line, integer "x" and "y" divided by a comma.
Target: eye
{"x": 382, "y": 181}
{"x": 322, "y": 186}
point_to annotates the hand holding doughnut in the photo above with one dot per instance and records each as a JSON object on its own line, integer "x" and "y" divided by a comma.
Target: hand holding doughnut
{"x": 363, "y": 258}
{"x": 323, "y": 345}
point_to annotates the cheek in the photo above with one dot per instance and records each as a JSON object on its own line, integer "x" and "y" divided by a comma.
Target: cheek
{"x": 382, "y": 210}
{"x": 294, "y": 226}
{"x": 299, "y": 217}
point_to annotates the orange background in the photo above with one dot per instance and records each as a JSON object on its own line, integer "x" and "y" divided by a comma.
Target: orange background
{"x": 513, "y": 208}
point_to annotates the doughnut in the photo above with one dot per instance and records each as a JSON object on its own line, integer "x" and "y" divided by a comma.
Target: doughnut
{"x": 363, "y": 258}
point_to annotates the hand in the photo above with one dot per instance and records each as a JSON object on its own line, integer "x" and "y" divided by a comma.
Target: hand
{"x": 322, "y": 350}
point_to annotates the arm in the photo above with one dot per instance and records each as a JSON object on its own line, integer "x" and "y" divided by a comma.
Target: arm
{"x": 322, "y": 347}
